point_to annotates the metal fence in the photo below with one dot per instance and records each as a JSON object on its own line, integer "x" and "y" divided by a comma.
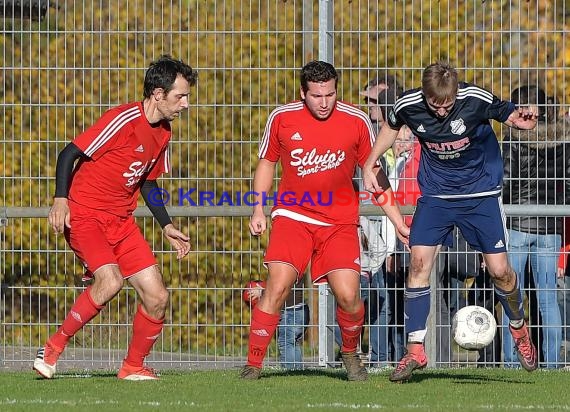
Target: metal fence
{"x": 73, "y": 59}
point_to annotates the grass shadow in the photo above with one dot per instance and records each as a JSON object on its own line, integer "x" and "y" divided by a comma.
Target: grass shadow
{"x": 463, "y": 378}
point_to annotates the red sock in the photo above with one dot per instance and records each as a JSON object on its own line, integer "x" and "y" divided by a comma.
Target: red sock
{"x": 261, "y": 331}
{"x": 146, "y": 331}
{"x": 83, "y": 310}
{"x": 350, "y": 325}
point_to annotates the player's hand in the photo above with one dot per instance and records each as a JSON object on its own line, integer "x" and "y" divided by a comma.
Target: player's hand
{"x": 257, "y": 223}
{"x": 179, "y": 241}
{"x": 524, "y": 118}
{"x": 370, "y": 180}
{"x": 403, "y": 233}
{"x": 58, "y": 216}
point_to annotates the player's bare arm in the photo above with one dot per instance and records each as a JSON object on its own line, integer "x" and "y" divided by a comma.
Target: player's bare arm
{"x": 262, "y": 182}
{"x": 523, "y": 118}
{"x": 178, "y": 240}
{"x": 384, "y": 141}
{"x": 393, "y": 213}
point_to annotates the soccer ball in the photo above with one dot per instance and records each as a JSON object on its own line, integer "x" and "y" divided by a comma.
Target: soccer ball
{"x": 473, "y": 327}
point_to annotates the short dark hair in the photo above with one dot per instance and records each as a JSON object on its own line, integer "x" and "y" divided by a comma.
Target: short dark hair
{"x": 530, "y": 94}
{"x": 317, "y": 71}
{"x": 162, "y": 74}
{"x": 387, "y": 97}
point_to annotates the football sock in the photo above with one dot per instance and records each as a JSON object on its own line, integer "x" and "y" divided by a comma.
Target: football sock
{"x": 83, "y": 310}
{"x": 350, "y": 325}
{"x": 261, "y": 331}
{"x": 512, "y": 303}
{"x": 416, "y": 311}
{"x": 146, "y": 331}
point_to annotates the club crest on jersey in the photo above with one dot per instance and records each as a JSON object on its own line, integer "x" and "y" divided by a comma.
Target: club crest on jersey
{"x": 136, "y": 170}
{"x": 312, "y": 162}
{"x": 458, "y": 126}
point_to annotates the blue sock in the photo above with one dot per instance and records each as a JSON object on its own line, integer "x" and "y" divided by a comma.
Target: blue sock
{"x": 416, "y": 311}
{"x": 512, "y": 302}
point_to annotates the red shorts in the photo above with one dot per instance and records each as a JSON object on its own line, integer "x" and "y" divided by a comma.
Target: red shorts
{"x": 99, "y": 238}
{"x": 328, "y": 248}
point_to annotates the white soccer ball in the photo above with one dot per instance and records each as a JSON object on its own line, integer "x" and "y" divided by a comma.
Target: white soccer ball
{"x": 473, "y": 327}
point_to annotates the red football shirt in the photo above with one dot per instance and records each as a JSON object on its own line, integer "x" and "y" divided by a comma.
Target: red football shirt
{"x": 121, "y": 148}
{"x": 318, "y": 160}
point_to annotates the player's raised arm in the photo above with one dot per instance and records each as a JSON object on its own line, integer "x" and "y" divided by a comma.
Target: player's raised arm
{"x": 383, "y": 142}
{"x": 262, "y": 182}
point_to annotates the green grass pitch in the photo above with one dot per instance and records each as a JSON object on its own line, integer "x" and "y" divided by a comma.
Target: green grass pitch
{"x": 466, "y": 389}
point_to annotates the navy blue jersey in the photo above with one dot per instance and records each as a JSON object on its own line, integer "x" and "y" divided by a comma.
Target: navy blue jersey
{"x": 460, "y": 157}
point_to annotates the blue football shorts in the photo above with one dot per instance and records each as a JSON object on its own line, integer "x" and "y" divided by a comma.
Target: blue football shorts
{"x": 481, "y": 221}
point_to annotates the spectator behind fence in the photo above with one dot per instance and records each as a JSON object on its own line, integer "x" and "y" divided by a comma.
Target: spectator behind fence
{"x": 122, "y": 154}
{"x": 380, "y": 94}
{"x": 460, "y": 177}
{"x": 295, "y": 318}
{"x": 537, "y": 172}
{"x": 319, "y": 141}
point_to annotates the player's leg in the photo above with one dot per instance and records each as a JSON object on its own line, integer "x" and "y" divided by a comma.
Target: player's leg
{"x": 431, "y": 228}
{"x": 265, "y": 316}
{"x": 483, "y": 226}
{"x": 148, "y": 323}
{"x": 342, "y": 271}
{"x": 90, "y": 244}
{"x": 287, "y": 255}
{"x": 138, "y": 265}
{"x": 417, "y": 296}
{"x": 345, "y": 285}
{"x": 518, "y": 255}
{"x": 510, "y": 296}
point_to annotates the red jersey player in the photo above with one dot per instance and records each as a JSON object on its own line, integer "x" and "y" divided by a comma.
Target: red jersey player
{"x": 122, "y": 154}
{"x": 319, "y": 142}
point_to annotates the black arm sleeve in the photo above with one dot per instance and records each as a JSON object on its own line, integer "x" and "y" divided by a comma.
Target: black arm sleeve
{"x": 64, "y": 169}
{"x": 155, "y": 202}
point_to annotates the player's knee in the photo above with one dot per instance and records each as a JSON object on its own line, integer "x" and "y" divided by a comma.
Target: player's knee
{"x": 156, "y": 303}
{"x": 277, "y": 292}
{"x": 108, "y": 284}
{"x": 502, "y": 274}
{"x": 162, "y": 299}
{"x": 349, "y": 303}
